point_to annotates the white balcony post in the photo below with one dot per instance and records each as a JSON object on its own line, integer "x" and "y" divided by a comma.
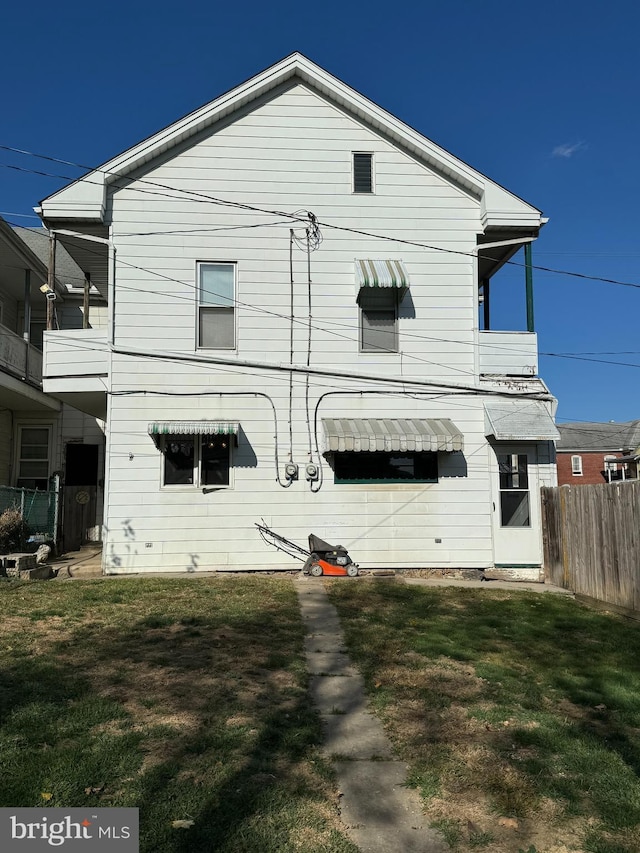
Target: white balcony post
{"x": 26, "y": 332}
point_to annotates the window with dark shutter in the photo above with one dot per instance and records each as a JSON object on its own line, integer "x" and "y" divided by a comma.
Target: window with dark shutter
{"x": 363, "y": 173}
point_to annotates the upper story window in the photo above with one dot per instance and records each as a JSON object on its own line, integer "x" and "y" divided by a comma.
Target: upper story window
{"x": 363, "y": 173}
{"x": 378, "y": 320}
{"x": 576, "y": 466}
{"x": 216, "y": 305}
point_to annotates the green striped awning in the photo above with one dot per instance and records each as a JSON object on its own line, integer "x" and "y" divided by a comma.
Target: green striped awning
{"x": 194, "y": 428}
{"x": 381, "y": 274}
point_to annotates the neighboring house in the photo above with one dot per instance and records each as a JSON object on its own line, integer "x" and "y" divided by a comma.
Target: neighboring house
{"x": 267, "y": 358}
{"x": 40, "y": 435}
{"x": 598, "y": 452}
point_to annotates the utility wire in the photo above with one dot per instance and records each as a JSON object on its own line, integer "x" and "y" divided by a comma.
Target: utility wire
{"x": 244, "y": 206}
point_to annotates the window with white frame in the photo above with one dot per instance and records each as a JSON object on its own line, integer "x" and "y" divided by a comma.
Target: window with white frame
{"x": 610, "y": 465}
{"x": 216, "y": 306}
{"x": 514, "y": 490}
{"x": 378, "y": 319}
{"x": 34, "y": 451}
{"x": 196, "y": 460}
{"x": 576, "y": 466}
{"x": 363, "y": 173}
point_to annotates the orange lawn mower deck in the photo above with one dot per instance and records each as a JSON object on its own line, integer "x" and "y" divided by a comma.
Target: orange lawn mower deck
{"x": 321, "y": 558}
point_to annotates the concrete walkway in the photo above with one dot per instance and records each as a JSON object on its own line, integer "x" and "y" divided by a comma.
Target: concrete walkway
{"x": 84, "y": 563}
{"x": 380, "y": 814}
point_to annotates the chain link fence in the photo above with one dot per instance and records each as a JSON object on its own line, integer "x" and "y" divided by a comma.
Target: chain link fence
{"x": 39, "y": 509}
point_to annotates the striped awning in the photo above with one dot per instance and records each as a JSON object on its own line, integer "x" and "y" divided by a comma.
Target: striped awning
{"x": 194, "y": 428}
{"x": 519, "y": 420}
{"x": 391, "y": 434}
{"x": 381, "y": 274}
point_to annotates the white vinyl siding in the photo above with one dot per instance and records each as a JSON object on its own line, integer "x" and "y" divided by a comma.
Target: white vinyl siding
{"x": 6, "y": 440}
{"x": 290, "y": 152}
{"x": 295, "y": 153}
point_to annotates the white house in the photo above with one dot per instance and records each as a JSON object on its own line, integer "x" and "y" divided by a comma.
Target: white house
{"x": 39, "y": 436}
{"x": 294, "y": 335}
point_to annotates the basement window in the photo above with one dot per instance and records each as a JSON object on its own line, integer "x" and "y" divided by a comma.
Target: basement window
{"x": 384, "y": 468}
{"x": 363, "y": 173}
{"x": 196, "y": 460}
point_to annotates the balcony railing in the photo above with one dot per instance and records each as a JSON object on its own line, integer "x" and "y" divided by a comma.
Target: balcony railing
{"x": 75, "y": 354}
{"x": 509, "y": 353}
{"x": 19, "y": 358}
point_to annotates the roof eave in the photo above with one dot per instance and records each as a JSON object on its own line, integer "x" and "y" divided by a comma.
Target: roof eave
{"x": 86, "y": 198}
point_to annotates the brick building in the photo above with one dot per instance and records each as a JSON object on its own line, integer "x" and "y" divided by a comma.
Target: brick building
{"x": 597, "y": 452}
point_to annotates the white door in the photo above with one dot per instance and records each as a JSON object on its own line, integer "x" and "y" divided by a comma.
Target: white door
{"x": 517, "y": 537}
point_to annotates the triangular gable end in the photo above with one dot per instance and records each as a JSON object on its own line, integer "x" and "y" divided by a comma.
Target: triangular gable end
{"x": 85, "y": 199}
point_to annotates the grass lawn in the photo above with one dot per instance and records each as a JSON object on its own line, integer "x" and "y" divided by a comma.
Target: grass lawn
{"x": 518, "y": 713}
{"x": 185, "y": 698}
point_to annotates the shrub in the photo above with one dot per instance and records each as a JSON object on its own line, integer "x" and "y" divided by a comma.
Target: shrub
{"x": 13, "y": 531}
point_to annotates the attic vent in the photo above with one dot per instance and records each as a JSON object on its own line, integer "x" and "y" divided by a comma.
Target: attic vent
{"x": 363, "y": 173}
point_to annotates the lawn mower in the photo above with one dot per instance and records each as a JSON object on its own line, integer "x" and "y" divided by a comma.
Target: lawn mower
{"x": 320, "y": 559}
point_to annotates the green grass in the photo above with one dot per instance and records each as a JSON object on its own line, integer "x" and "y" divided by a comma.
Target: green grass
{"x": 506, "y": 705}
{"x": 185, "y": 698}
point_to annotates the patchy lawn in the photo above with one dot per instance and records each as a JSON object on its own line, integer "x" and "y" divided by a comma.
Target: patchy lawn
{"x": 518, "y": 713}
{"x": 185, "y": 698}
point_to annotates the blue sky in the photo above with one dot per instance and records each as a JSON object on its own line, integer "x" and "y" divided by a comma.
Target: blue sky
{"x": 541, "y": 98}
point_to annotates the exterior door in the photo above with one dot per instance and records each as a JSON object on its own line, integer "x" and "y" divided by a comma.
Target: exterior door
{"x": 517, "y": 539}
{"x": 80, "y": 493}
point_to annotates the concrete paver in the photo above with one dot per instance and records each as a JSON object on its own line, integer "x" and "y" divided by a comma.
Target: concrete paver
{"x": 380, "y": 814}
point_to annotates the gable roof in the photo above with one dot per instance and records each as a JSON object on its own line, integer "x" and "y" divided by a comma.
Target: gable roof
{"x": 599, "y": 436}
{"x": 85, "y": 198}
{"x": 67, "y": 270}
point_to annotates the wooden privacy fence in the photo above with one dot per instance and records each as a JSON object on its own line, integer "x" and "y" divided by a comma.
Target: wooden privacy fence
{"x": 592, "y": 541}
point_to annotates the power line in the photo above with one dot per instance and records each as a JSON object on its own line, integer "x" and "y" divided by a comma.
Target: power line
{"x": 350, "y": 327}
{"x": 592, "y": 360}
{"x": 196, "y": 195}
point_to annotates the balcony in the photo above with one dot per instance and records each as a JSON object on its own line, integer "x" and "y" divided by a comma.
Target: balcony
{"x": 21, "y": 376}
{"x": 76, "y": 366}
{"x": 19, "y": 358}
{"x": 508, "y": 354}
